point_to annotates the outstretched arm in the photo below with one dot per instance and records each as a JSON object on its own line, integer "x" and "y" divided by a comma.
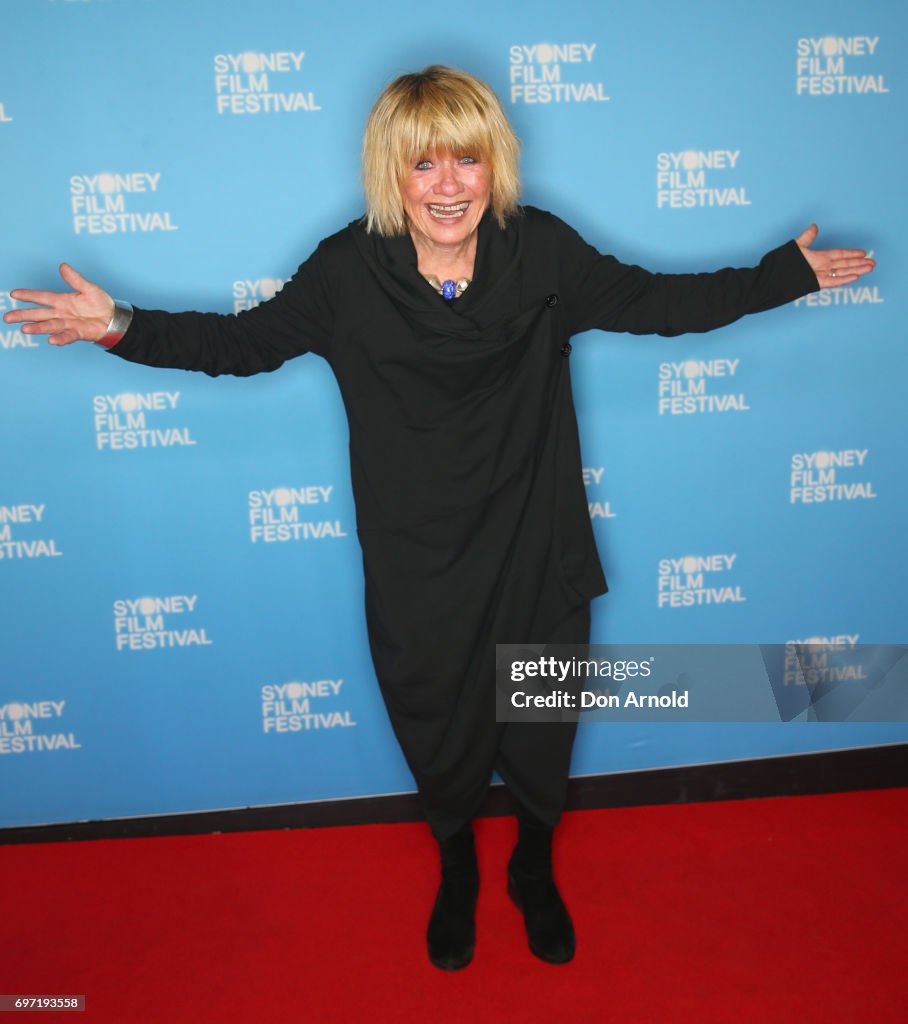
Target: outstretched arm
{"x": 298, "y": 319}
{"x": 614, "y": 296}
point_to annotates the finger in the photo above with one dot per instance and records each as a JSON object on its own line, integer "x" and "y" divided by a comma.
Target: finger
{"x": 29, "y": 295}
{"x": 834, "y": 279}
{"x": 830, "y": 280}
{"x": 841, "y": 254}
{"x": 857, "y": 266}
{"x": 64, "y": 338}
{"x": 74, "y": 279}
{"x": 49, "y": 326}
{"x": 808, "y": 236}
{"x": 18, "y": 316}
{"x": 845, "y": 266}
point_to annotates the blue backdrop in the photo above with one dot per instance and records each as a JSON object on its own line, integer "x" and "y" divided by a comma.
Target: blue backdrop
{"x": 182, "y": 623}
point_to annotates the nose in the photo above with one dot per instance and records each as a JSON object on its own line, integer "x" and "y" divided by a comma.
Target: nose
{"x": 448, "y": 183}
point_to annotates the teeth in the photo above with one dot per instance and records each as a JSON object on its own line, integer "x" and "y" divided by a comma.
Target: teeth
{"x": 454, "y": 210}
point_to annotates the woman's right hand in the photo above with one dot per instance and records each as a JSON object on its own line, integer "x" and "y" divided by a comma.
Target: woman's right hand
{"x": 82, "y": 314}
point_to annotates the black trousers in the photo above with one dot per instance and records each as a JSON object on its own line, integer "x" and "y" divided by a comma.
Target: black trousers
{"x": 532, "y": 758}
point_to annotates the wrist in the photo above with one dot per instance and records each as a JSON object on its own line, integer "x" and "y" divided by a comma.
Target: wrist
{"x": 119, "y": 324}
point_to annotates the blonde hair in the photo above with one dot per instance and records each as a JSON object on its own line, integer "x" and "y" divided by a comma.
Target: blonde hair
{"x": 437, "y": 108}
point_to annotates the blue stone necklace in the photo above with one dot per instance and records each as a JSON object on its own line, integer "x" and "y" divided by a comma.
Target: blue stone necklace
{"x": 448, "y": 289}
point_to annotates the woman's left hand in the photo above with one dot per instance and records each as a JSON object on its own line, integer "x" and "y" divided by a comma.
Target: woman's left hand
{"x": 833, "y": 267}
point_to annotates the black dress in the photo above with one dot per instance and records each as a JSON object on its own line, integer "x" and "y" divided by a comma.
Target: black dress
{"x": 465, "y": 460}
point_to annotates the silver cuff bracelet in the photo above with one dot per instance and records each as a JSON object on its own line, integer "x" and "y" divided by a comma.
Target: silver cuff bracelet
{"x": 119, "y": 324}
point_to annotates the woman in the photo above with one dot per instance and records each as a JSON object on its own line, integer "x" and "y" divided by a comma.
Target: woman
{"x": 446, "y": 314}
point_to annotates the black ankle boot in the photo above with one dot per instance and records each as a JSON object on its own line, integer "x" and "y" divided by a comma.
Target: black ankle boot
{"x": 530, "y": 885}
{"x": 451, "y": 935}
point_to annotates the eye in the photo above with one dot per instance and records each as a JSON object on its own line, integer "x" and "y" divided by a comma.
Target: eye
{"x": 468, "y": 160}
{"x": 423, "y": 165}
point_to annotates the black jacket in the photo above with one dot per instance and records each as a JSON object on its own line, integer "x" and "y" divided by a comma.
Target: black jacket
{"x": 465, "y": 461}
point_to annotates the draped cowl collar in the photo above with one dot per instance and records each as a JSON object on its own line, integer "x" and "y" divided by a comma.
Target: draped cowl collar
{"x": 493, "y": 294}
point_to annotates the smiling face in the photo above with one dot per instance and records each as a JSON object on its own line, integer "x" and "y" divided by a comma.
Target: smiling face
{"x": 445, "y": 195}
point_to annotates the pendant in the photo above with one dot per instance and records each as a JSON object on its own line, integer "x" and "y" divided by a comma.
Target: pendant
{"x": 448, "y": 289}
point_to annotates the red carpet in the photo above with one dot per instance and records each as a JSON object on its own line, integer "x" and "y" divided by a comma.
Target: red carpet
{"x": 768, "y": 911}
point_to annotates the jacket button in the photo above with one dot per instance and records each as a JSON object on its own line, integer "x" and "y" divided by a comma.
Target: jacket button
{"x": 566, "y": 349}
{"x": 551, "y": 300}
